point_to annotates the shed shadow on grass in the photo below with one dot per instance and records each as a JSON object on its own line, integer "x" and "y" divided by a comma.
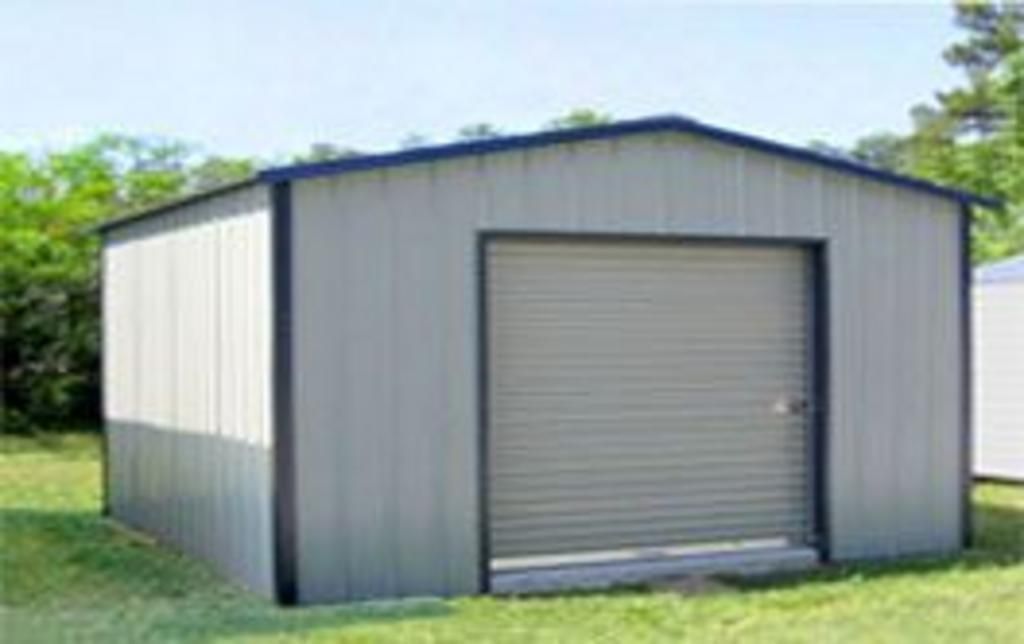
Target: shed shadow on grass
{"x": 998, "y": 543}
{"x": 272, "y": 621}
{"x": 77, "y": 561}
{"x": 79, "y": 564}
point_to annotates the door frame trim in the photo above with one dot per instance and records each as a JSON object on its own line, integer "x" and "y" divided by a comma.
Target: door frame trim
{"x": 819, "y": 367}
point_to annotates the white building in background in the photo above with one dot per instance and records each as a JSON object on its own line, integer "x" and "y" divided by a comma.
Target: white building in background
{"x": 999, "y": 370}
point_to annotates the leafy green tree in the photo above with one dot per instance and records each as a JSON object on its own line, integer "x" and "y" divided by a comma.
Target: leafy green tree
{"x": 973, "y": 136}
{"x": 324, "y": 152}
{"x": 581, "y": 117}
{"x": 478, "y": 132}
{"x": 49, "y": 323}
{"x": 882, "y": 150}
{"x": 218, "y": 171}
{"x": 826, "y": 148}
{"x": 995, "y": 32}
{"x": 414, "y": 140}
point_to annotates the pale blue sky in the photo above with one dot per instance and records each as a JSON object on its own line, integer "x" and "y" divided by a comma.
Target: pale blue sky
{"x": 270, "y": 77}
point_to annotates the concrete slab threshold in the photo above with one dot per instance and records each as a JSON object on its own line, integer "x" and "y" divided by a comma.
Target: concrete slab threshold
{"x": 602, "y": 575}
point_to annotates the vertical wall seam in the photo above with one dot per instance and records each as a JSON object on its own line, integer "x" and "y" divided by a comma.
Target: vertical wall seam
{"x": 137, "y": 501}
{"x": 966, "y": 376}
{"x": 858, "y": 251}
{"x": 395, "y": 575}
{"x": 221, "y": 477}
{"x": 740, "y": 177}
{"x": 283, "y": 444}
{"x": 442, "y": 448}
{"x": 170, "y": 242}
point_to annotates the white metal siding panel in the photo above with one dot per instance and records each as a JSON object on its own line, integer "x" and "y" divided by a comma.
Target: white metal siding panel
{"x": 632, "y": 395}
{"x": 187, "y": 380}
{"x": 895, "y": 381}
{"x": 999, "y": 380}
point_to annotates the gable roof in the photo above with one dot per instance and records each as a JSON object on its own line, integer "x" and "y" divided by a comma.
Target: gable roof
{"x": 1007, "y": 270}
{"x": 651, "y": 125}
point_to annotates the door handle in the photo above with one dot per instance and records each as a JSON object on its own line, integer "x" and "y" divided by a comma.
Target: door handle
{"x": 790, "y": 406}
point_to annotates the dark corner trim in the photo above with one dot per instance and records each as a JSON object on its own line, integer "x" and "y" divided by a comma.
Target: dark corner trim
{"x": 105, "y": 509}
{"x": 284, "y": 514}
{"x": 821, "y": 370}
{"x": 966, "y": 379}
{"x": 483, "y": 414}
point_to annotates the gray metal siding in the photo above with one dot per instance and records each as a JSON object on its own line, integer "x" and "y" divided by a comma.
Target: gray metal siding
{"x": 386, "y": 340}
{"x": 999, "y": 380}
{"x": 633, "y": 394}
{"x": 186, "y": 304}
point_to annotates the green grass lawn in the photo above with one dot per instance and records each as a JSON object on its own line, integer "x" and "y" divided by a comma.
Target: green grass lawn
{"x": 68, "y": 575}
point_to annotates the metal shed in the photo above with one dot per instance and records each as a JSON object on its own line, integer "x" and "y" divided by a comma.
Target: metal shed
{"x": 462, "y": 368}
{"x": 999, "y": 369}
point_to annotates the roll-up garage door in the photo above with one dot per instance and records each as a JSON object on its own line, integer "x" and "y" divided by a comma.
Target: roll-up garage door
{"x": 645, "y": 394}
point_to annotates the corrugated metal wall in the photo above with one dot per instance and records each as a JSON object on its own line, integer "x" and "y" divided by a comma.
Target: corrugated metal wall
{"x": 999, "y": 380}
{"x": 186, "y": 340}
{"x": 386, "y": 340}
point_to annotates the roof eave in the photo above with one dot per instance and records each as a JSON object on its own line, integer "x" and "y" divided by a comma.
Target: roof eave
{"x": 651, "y": 125}
{"x": 640, "y": 126}
{"x": 133, "y": 216}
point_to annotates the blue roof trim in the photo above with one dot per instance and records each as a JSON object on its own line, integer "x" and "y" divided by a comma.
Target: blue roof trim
{"x": 650, "y": 125}
{"x": 171, "y": 204}
{"x": 621, "y": 128}
{"x": 1007, "y": 270}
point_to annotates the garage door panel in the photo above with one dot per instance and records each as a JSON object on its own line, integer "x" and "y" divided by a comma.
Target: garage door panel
{"x": 621, "y": 520}
{"x": 641, "y": 470}
{"x": 782, "y": 490}
{"x": 707, "y": 319}
{"x": 634, "y": 394}
{"x": 571, "y": 541}
{"x": 660, "y": 435}
{"x": 625, "y": 518}
{"x": 631, "y": 410}
{"x": 586, "y": 460}
{"x": 785, "y": 488}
